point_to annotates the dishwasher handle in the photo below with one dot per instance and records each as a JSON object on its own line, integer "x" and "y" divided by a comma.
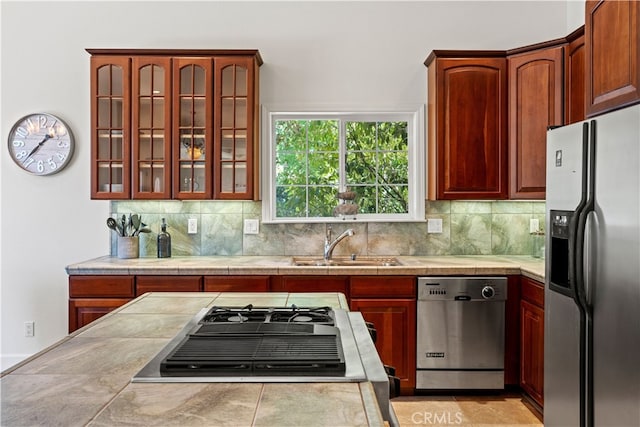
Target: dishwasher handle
{"x": 462, "y": 298}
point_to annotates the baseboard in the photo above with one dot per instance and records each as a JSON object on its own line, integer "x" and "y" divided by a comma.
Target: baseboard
{"x": 8, "y": 360}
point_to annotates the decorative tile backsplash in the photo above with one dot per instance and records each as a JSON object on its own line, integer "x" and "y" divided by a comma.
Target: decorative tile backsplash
{"x": 468, "y": 228}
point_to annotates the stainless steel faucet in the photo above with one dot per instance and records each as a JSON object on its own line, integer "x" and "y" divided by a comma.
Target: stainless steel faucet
{"x": 329, "y": 246}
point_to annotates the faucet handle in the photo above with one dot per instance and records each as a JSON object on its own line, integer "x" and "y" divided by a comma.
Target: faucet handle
{"x": 328, "y": 234}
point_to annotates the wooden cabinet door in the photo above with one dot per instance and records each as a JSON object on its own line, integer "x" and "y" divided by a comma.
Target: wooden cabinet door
{"x": 613, "y": 50}
{"x": 532, "y": 350}
{"x": 151, "y": 127}
{"x": 83, "y": 311}
{"x": 467, "y": 141}
{"x": 146, "y": 284}
{"x": 110, "y": 127}
{"x": 310, "y": 284}
{"x": 192, "y": 128}
{"x": 532, "y": 339}
{"x": 236, "y": 114}
{"x": 91, "y": 297}
{"x": 574, "y": 78}
{"x": 395, "y": 323}
{"x": 236, "y": 283}
{"x": 535, "y": 102}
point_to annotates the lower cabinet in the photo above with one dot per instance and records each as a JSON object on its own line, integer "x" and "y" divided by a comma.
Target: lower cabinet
{"x": 146, "y": 284}
{"x": 532, "y": 339}
{"x": 236, "y": 283}
{"x": 91, "y": 297}
{"x": 389, "y": 302}
{"x": 310, "y": 284}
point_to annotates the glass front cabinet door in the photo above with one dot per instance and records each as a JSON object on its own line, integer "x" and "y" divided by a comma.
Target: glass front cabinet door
{"x": 110, "y": 139}
{"x": 235, "y": 113}
{"x": 151, "y": 127}
{"x": 193, "y": 128}
{"x": 171, "y": 124}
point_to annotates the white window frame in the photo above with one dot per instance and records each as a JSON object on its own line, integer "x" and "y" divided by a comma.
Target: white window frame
{"x": 413, "y": 115}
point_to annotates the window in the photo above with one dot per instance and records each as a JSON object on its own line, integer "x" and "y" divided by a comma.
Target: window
{"x": 310, "y": 157}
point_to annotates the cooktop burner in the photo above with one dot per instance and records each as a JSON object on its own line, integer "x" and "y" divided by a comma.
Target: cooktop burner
{"x": 321, "y": 315}
{"x": 257, "y": 341}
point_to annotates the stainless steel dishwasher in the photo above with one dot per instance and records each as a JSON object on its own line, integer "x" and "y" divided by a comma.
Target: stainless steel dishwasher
{"x": 460, "y": 328}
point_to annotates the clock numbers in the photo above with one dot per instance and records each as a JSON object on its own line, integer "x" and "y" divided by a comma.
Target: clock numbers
{"x": 52, "y": 165}
{"x": 17, "y": 143}
{"x": 21, "y": 154}
{"x": 22, "y": 132}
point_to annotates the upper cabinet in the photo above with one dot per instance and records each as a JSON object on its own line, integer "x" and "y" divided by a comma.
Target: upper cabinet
{"x": 574, "y": 77}
{"x": 467, "y": 125}
{"x": 489, "y": 112}
{"x": 110, "y": 127}
{"x": 535, "y": 103}
{"x": 613, "y": 51}
{"x": 171, "y": 124}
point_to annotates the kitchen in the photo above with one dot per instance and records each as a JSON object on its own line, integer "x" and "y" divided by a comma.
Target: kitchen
{"x": 64, "y": 236}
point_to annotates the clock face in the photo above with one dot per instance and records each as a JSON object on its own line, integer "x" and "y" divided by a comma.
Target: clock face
{"x": 41, "y": 144}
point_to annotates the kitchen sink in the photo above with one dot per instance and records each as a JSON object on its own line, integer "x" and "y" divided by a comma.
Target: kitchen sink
{"x": 363, "y": 261}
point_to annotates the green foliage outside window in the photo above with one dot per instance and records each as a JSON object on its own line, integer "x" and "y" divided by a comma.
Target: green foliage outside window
{"x": 309, "y": 172}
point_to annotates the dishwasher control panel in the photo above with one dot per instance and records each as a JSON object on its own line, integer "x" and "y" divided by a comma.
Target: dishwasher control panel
{"x": 469, "y": 288}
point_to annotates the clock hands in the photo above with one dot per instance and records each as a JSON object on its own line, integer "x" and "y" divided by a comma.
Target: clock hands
{"x": 37, "y": 147}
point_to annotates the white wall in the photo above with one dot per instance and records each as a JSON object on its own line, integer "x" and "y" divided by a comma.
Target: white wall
{"x": 338, "y": 53}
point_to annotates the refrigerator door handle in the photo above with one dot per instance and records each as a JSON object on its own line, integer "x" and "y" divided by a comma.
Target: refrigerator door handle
{"x": 588, "y": 186}
{"x": 580, "y": 292}
{"x": 575, "y": 239}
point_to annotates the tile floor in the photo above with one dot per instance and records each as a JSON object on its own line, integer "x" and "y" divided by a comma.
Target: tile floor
{"x": 491, "y": 410}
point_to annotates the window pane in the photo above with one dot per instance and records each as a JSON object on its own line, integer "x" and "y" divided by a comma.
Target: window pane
{"x": 291, "y": 202}
{"x": 393, "y": 199}
{"x": 291, "y": 168}
{"x": 361, "y": 136}
{"x": 322, "y": 200}
{"x": 361, "y": 168}
{"x": 324, "y": 168}
{"x": 394, "y": 167}
{"x": 323, "y": 135}
{"x": 291, "y": 135}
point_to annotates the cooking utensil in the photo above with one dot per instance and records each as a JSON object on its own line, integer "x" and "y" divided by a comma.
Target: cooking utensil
{"x": 113, "y": 224}
{"x": 135, "y": 223}
{"x": 124, "y": 225}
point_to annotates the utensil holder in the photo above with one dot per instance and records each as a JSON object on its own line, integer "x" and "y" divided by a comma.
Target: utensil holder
{"x": 128, "y": 247}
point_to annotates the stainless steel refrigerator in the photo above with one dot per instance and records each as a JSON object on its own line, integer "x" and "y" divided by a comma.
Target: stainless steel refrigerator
{"x": 592, "y": 290}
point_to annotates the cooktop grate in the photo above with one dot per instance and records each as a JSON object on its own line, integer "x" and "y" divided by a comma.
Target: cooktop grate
{"x": 256, "y": 355}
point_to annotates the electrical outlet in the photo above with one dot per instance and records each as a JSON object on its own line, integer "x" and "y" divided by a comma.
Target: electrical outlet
{"x": 192, "y": 226}
{"x": 29, "y": 328}
{"x": 534, "y": 225}
{"x": 251, "y": 226}
{"x": 434, "y": 225}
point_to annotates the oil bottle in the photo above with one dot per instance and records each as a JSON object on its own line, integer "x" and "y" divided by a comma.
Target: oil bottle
{"x": 164, "y": 242}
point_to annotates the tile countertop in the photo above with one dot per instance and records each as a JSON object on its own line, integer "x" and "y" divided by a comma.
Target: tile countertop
{"x": 282, "y": 265}
{"x": 85, "y": 379}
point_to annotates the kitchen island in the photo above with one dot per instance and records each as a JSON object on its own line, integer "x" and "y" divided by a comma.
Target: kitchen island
{"x": 85, "y": 379}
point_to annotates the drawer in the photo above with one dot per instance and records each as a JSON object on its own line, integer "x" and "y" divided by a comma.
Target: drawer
{"x": 383, "y": 287}
{"x": 532, "y": 291}
{"x": 101, "y": 286}
{"x": 146, "y": 284}
{"x": 236, "y": 284}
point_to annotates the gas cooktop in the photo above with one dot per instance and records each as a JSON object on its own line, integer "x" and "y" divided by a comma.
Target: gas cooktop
{"x": 259, "y": 344}
{"x": 231, "y": 341}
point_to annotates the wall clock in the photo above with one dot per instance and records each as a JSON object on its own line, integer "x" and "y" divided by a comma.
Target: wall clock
{"x": 41, "y": 144}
